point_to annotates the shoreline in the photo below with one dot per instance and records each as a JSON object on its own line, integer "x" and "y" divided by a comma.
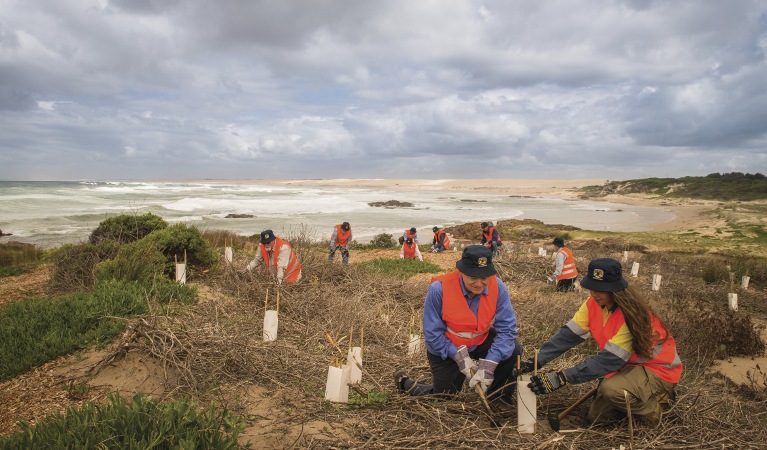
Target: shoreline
{"x": 687, "y": 213}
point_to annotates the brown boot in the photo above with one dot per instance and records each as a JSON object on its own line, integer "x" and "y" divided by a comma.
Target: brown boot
{"x": 653, "y": 419}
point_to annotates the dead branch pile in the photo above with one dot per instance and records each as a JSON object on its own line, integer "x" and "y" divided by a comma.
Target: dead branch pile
{"x": 221, "y": 342}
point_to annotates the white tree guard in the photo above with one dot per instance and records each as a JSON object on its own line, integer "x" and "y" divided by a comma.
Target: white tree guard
{"x": 228, "y": 254}
{"x": 744, "y": 282}
{"x": 354, "y": 354}
{"x": 526, "y": 406}
{"x": 414, "y": 346}
{"x": 337, "y": 388}
{"x": 181, "y": 273}
{"x": 635, "y": 270}
{"x": 732, "y": 300}
{"x": 270, "y": 326}
{"x": 656, "y": 282}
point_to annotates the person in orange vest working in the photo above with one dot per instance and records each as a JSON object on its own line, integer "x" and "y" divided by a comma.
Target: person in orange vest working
{"x": 411, "y": 233}
{"x": 341, "y": 240}
{"x": 410, "y": 250}
{"x": 280, "y": 260}
{"x": 441, "y": 242}
{"x": 565, "y": 272}
{"x": 490, "y": 237}
{"x": 458, "y": 328}
{"x": 636, "y": 350}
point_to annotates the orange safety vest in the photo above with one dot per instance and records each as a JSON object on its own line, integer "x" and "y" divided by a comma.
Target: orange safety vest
{"x": 665, "y": 360}
{"x": 489, "y": 235}
{"x": 408, "y": 235}
{"x": 294, "y": 267}
{"x": 568, "y": 269}
{"x": 463, "y": 327}
{"x": 341, "y": 236}
{"x": 409, "y": 250}
{"x": 447, "y": 239}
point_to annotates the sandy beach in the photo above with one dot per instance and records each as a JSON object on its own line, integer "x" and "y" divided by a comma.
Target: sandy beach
{"x": 687, "y": 213}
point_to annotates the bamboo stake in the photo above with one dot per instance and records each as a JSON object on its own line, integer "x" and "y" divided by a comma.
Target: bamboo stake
{"x": 631, "y": 422}
{"x": 266, "y": 300}
{"x": 351, "y": 338}
{"x": 184, "y": 259}
{"x": 175, "y": 260}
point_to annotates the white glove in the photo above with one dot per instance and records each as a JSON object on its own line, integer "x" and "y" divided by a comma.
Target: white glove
{"x": 550, "y": 279}
{"x": 485, "y": 374}
{"x": 464, "y": 361}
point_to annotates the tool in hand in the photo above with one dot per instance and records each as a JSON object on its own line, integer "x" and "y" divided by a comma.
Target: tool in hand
{"x": 481, "y": 393}
{"x": 554, "y": 419}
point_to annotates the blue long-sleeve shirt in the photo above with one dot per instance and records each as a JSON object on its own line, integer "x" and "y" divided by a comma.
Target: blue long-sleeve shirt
{"x": 434, "y": 327}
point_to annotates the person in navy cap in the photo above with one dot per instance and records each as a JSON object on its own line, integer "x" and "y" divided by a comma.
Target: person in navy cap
{"x": 341, "y": 240}
{"x": 490, "y": 237}
{"x": 637, "y": 353}
{"x": 280, "y": 260}
{"x": 441, "y": 241}
{"x": 565, "y": 272}
{"x": 468, "y": 316}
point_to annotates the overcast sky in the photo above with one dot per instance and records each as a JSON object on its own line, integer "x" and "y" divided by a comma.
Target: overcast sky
{"x": 106, "y": 89}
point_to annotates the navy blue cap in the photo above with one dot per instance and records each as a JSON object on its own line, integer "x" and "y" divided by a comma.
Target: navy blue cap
{"x": 267, "y": 236}
{"x": 604, "y": 275}
{"x": 476, "y": 261}
{"x": 559, "y": 242}
{"x": 345, "y": 226}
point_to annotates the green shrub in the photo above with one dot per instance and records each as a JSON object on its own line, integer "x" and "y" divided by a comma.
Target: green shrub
{"x": 11, "y": 271}
{"x": 715, "y": 272}
{"x": 74, "y": 265}
{"x": 564, "y": 235}
{"x": 144, "y": 424}
{"x": 35, "y": 331}
{"x": 401, "y": 268}
{"x": 127, "y": 228}
{"x": 174, "y": 240}
{"x": 382, "y": 240}
{"x": 136, "y": 261}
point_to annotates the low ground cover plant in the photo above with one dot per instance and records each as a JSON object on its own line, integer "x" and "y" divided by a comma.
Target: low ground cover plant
{"x": 145, "y": 423}
{"x": 35, "y": 331}
{"x": 401, "y": 268}
{"x": 15, "y": 259}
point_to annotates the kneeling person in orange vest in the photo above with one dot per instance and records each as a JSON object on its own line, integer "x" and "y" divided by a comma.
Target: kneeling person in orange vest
{"x": 565, "y": 272}
{"x": 410, "y": 250}
{"x": 637, "y": 353}
{"x": 458, "y": 312}
{"x": 491, "y": 238}
{"x": 441, "y": 241}
{"x": 280, "y": 260}
{"x": 341, "y": 240}
{"x": 411, "y": 233}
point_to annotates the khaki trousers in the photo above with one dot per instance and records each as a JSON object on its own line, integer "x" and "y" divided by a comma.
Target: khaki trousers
{"x": 643, "y": 386}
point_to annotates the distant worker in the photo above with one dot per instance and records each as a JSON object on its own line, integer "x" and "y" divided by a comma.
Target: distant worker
{"x": 441, "y": 242}
{"x": 565, "y": 273}
{"x": 468, "y": 316}
{"x": 341, "y": 240}
{"x": 411, "y": 233}
{"x": 637, "y": 353}
{"x": 280, "y": 260}
{"x": 410, "y": 250}
{"x": 491, "y": 238}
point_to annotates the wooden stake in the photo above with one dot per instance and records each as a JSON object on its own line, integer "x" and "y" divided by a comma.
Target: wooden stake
{"x": 184, "y": 259}
{"x": 631, "y": 422}
{"x": 266, "y": 300}
{"x": 175, "y": 260}
{"x": 351, "y": 338}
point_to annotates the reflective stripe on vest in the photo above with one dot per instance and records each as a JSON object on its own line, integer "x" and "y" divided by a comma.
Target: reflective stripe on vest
{"x": 568, "y": 269}
{"x": 342, "y": 237}
{"x": 294, "y": 267}
{"x": 665, "y": 360}
{"x": 446, "y": 243}
{"x": 409, "y": 250}
{"x": 489, "y": 235}
{"x": 465, "y": 328}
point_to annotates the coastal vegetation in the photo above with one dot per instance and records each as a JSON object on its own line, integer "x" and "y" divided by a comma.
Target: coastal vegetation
{"x": 213, "y": 349}
{"x": 736, "y": 186}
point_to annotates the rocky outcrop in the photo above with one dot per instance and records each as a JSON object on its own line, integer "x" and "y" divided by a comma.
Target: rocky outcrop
{"x": 239, "y": 216}
{"x": 391, "y": 204}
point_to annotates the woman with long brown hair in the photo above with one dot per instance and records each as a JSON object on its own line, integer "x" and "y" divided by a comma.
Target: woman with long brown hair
{"x": 637, "y": 353}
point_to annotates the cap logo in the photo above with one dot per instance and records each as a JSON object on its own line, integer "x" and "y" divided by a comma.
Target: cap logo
{"x": 482, "y": 262}
{"x": 599, "y": 274}
{"x": 266, "y": 236}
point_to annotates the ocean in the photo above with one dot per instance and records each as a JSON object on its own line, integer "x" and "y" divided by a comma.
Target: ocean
{"x": 51, "y": 213}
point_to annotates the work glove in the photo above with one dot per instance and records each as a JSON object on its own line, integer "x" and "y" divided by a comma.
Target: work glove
{"x": 550, "y": 279}
{"x": 464, "y": 361}
{"x": 526, "y": 366}
{"x": 546, "y": 383}
{"x": 484, "y": 375}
